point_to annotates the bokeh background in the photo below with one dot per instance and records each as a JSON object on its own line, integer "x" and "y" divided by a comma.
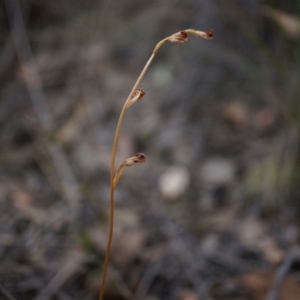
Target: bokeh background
{"x": 214, "y": 211}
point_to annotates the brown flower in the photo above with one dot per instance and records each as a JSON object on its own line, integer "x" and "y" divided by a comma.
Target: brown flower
{"x": 178, "y": 37}
{"x": 208, "y": 34}
{"x": 138, "y": 158}
{"x": 137, "y": 95}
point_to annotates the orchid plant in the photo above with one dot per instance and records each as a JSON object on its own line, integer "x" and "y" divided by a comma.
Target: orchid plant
{"x": 134, "y": 96}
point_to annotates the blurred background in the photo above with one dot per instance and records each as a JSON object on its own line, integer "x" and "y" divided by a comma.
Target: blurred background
{"x": 213, "y": 213}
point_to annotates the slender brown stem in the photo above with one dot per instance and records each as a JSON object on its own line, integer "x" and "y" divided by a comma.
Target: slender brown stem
{"x": 112, "y": 167}
{"x": 117, "y": 134}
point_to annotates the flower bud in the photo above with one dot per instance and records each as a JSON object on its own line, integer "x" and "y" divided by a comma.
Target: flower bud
{"x": 178, "y": 37}
{"x": 137, "y": 95}
{"x": 138, "y": 158}
{"x": 208, "y": 34}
